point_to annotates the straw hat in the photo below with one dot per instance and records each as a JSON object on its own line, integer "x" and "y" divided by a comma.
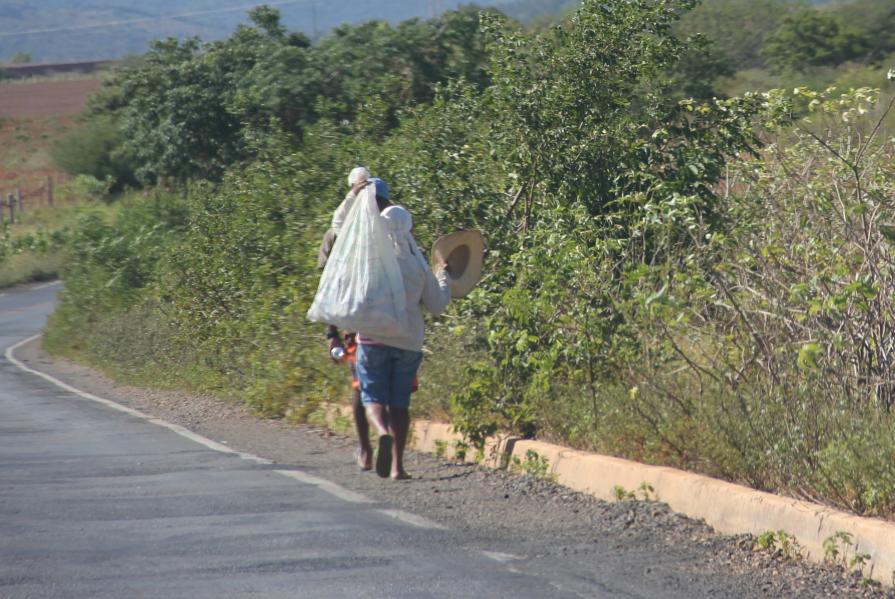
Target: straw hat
{"x": 463, "y": 251}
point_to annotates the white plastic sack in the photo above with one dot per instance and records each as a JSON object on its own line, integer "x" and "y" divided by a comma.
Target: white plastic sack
{"x": 361, "y": 288}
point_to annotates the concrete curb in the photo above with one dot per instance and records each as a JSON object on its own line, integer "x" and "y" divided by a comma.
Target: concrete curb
{"x": 726, "y": 507}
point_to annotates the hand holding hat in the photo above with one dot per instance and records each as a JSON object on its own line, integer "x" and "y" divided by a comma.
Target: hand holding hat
{"x": 461, "y": 255}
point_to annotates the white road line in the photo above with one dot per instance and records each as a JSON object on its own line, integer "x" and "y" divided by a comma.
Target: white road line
{"x": 501, "y": 557}
{"x": 45, "y": 285}
{"x": 176, "y": 428}
{"x": 325, "y": 485}
{"x": 412, "y": 519}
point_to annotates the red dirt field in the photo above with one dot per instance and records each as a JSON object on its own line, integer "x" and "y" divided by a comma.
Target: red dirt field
{"x": 45, "y": 98}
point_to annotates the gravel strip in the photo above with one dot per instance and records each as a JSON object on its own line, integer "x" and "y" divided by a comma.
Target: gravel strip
{"x": 590, "y": 547}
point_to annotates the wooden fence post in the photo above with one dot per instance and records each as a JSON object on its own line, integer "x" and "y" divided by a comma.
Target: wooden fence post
{"x": 19, "y": 201}
{"x": 49, "y": 190}
{"x": 11, "y": 202}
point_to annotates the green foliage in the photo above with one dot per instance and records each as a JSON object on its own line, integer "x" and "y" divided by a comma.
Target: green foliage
{"x": 858, "y": 464}
{"x": 836, "y": 545}
{"x": 810, "y": 38}
{"x": 738, "y": 28}
{"x": 647, "y": 492}
{"x": 189, "y": 110}
{"x": 534, "y": 464}
{"x": 440, "y": 448}
{"x": 786, "y": 385}
{"x": 460, "y": 449}
{"x": 35, "y": 248}
{"x": 779, "y": 542}
{"x": 96, "y": 151}
{"x": 621, "y": 494}
{"x": 20, "y": 58}
{"x": 780, "y": 43}
{"x": 219, "y": 284}
{"x": 33, "y": 256}
{"x": 697, "y": 73}
{"x": 876, "y": 20}
{"x": 836, "y": 552}
{"x": 581, "y": 165}
{"x": 88, "y": 187}
{"x": 658, "y": 285}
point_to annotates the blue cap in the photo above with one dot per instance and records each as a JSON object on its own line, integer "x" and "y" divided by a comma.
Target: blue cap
{"x": 381, "y": 187}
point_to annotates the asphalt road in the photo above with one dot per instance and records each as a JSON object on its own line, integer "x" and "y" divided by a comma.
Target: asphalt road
{"x": 99, "y": 500}
{"x": 95, "y": 502}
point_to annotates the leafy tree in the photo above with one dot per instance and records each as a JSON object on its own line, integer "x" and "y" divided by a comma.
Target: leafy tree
{"x": 588, "y": 141}
{"x": 96, "y": 151}
{"x": 810, "y": 38}
{"x": 876, "y": 20}
{"x": 188, "y": 109}
{"x": 698, "y": 70}
{"x": 20, "y": 58}
{"x": 413, "y": 56}
{"x": 737, "y": 28}
{"x": 658, "y": 286}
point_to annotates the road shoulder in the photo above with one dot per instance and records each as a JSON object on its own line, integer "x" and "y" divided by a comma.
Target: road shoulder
{"x": 521, "y": 520}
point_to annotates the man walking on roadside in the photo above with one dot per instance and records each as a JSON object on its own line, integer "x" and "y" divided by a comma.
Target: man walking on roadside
{"x": 347, "y": 345}
{"x": 387, "y": 366}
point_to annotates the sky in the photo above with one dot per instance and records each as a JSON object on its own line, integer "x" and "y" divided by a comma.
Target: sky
{"x": 71, "y": 30}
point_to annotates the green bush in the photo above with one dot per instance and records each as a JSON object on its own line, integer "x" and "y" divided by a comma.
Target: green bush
{"x": 95, "y": 151}
{"x": 657, "y": 286}
{"x": 767, "y": 359}
{"x": 811, "y": 38}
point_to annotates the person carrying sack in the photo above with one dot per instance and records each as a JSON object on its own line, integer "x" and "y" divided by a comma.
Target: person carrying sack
{"x": 346, "y": 343}
{"x": 387, "y": 365}
{"x": 364, "y": 289}
{"x": 377, "y": 282}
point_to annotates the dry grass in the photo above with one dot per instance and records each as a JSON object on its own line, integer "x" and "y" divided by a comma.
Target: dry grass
{"x": 33, "y": 116}
{"x": 25, "y": 155}
{"x": 28, "y": 267}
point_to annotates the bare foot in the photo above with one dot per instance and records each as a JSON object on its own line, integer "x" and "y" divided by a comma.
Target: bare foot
{"x": 400, "y": 476}
{"x": 364, "y": 459}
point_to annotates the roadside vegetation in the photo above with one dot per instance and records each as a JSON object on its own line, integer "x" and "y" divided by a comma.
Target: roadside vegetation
{"x": 36, "y": 246}
{"x": 674, "y": 274}
{"x": 33, "y": 248}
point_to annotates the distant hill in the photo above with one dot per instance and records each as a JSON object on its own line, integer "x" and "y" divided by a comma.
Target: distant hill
{"x": 68, "y": 30}
{"x": 73, "y": 30}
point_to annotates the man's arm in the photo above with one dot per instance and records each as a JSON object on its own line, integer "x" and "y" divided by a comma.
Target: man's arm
{"x": 326, "y": 246}
{"x": 341, "y": 212}
{"x": 344, "y": 208}
{"x": 437, "y": 291}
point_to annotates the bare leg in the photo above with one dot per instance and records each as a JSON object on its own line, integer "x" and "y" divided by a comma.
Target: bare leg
{"x": 399, "y": 425}
{"x": 365, "y": 457}
{"x": 378, "y": 417}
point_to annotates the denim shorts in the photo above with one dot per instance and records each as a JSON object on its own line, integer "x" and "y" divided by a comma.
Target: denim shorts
{"x": 387, "y": 374}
